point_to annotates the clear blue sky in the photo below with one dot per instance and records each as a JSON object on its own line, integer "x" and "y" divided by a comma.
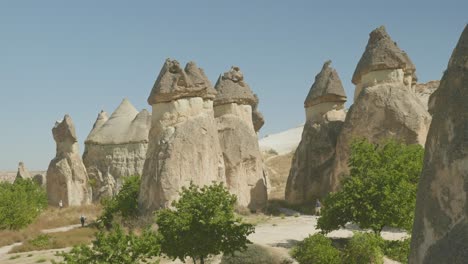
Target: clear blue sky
{"x": 79, "y": 57}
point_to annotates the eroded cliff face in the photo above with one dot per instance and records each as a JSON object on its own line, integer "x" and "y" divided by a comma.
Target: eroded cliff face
{"x": 440, "y": 232}
{"x": 67, "y": 179}
{"x": 244, "y": 170}
{"x": 312, "y": 164}
{"x": 183, "y": 140}
{"x": 116, "y": 148}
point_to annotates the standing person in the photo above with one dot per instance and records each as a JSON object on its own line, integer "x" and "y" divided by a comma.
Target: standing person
{"x": 60, "y": 204}
{"x": 318, "y": 205}
{"x": 82, "y": 220}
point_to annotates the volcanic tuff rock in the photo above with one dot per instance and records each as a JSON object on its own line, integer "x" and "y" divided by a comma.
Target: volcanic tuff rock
{"x": 22, "y": 173}
{"x": 424, "y": 91}
{"x": 239, "y": 143}
{"x": 309, "y": 177}
{"x": 388, "y": 108}
{"x": 183, "y": 140}
{"x": 440, "y": 232}
{"x": 67, "y": 179}
{"x": 116, "y": 148}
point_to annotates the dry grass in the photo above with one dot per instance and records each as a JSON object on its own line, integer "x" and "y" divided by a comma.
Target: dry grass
{"x": 51, "y": 218}
{"x": 57, "y": 240}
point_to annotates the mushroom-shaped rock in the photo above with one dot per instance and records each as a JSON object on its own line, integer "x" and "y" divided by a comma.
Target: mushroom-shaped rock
{"x": 174, "y": 83}
{"x": 22, "y": 172}
{"x": 238, "y": 140}
{"x": 440, "y": 231}
{"x": 326, "y": 88}
{"x": 382, "y": 53}
{"x": 183, "y": 140}
{"x": 67, "y": 179}
{"x": 116, "y": 148}
{"x": 309, "y": 176}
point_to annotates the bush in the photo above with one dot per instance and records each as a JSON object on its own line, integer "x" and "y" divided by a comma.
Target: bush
{"x": 115, "y": 246}
{"x": 202, "y": 223}
{"x": 124, "y": 204}
{"x": 364, "y": 248}
{"x": 316, "y": 249}
{"x": 20, "y": 203}
{"x": 380, "y": 190}
{"x": 254, "y": 254}
{"x": 397, "y": 250}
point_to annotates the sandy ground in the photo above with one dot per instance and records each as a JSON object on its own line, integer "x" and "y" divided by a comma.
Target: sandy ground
{"x": 277, "y": 233}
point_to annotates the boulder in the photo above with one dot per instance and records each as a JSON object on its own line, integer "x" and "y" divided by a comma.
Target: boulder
{"x": 67, "y": 180}
{"x": 309, "y": 176}
{"x": 183, "y": 140}
{"x": 440, "y": 231}
{"x": 22, "y": 173}
{"x": 116, "y": 148}
{"x": 243, "y": 162}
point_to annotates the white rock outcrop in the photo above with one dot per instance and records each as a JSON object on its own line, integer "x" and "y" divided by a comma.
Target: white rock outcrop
{"x": 67, "y": 180}
{"x": 424, "y": 91}
{"x": 309, "y": 176}
{"x": 440, "y": 231}
{"x": 116, "y": 148}
{"x": 385, "y": 104}
{"x": 183, "y": 140}
{"x": 243, "y": 162}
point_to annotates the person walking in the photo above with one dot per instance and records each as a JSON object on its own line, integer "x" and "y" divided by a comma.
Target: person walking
{"x": 82, "y": 220}
{"x": 60, "y": 204}
{"x": 318, "y": 206}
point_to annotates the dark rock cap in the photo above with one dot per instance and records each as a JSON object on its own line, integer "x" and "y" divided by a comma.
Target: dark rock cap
{"x": 232, "y": 88}
{"x": 65, "y": 130}
{"x": 174, "y": 83}
{"x": 382, "y": 53}
{"x": 326, "y": 88}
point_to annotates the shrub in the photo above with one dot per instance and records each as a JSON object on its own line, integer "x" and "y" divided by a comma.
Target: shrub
{"x": 202, "y": 223}
{"x": 124, "y": 204}
{"x": 115, "y": 246}
{"x": 364, "y": 248}
{"x": 397, "y": 250}
{"x": 254, "y": 254}
{"x": 380, "y": 190}
{"x": 20, "y": 203}
{"x": 316, "y": 249}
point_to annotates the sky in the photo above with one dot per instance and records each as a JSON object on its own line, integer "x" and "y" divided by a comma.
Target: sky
{"x": 79, "y": 57}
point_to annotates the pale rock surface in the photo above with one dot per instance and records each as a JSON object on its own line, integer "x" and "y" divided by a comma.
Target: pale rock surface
{"x": 440, "y": 232}
{"x": 309, "y": 177}
{"x": 283, "y": 142}
{"x": 22, "y": 173}
{"x": 67, "y": 179}
{"x": 243, "y": 162}
{"x": 387, "y": 108}
{"x": 424, "y": 91}
{"x": 116, "y": 148}
{"x": 183, "y": 141}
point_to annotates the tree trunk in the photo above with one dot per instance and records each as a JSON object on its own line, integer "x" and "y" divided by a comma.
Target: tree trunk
{"x": 202, "y": 261}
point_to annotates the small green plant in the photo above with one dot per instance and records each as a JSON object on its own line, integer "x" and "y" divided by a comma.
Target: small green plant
{"x": 41, "y": 241}
{"x": 316, "y": 249}
{"x": 41, "y": 260}
{"x": 30, "y": 255}
{"x": 364, "y": 248}
{"x": 282, "y": 216}
{"x": 296, "y": 215}
{"x": 254, "y": 254}
{"x": 14, "y": 257}
{"x": 397, "y": 250}
{"x": 202, "y": 223}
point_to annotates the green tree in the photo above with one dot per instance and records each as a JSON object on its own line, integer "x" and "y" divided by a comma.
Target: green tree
{"x": 20, "y": 203}
{"x": 115, "y": 246}
{"x": 380, "y": 190}
{"x": 124, "y": 204}
{"x": 316, "y": 249}
{"x": 363, "y": 248}
{"x": 202, "y": 223}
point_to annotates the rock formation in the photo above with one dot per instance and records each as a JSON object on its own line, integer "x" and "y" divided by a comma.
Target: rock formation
{"x": 239, "y": 143}
{"x": 424, "y": 91}
{"x": 309, "y": 177}
{"x": 385, "y": 105}
{"x": 116, "y": 148}
{"x": 40, "y": 179}
{"x": 440, "y": 232}
{"x": 183, "y": 140}
{"x": 22, "y": 173}
{"x": 67, "y": 179}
